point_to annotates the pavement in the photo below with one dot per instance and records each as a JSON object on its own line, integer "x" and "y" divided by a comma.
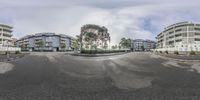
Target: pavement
{"x": 182, "y": 57}
{"x": 132, "y": 76}
{"x": 4, "y": 57}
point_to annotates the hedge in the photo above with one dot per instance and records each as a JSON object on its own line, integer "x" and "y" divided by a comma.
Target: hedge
{"x": 102, "y": 51}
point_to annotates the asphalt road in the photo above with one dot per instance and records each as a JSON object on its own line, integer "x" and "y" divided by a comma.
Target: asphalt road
{"x": 132, "y": 76}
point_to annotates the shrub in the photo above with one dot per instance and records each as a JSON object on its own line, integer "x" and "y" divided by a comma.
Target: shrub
{"x": 101, "y": 51}
{"x": 176, "y": 52}
{"x": 192, "y": 53}
{"x": 166, "y": 52}
{"x": 7, "y": 52}
{"x": 17, "y": 52}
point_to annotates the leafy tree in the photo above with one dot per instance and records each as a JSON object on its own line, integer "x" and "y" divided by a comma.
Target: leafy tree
{"x": 75, "y": 44}
{"x": 77, "y": 38}
{"x": 24, "y": 46}
{"x": 105, "y": 46}
{"x": 40, "y": 44}
{"x": 142, "y": 47}
{"x": 125, "y": 43}
{"x": 87, "y": 47}
{"x": 114, "y": 47}
{"x": 90, "y": 38}
{"x": 119, "y": 47}
{"x": 63, "y": 45}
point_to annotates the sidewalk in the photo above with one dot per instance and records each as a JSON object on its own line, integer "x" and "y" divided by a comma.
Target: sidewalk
{"x": 11, "y": 57}
{"x": 182, "y": 57}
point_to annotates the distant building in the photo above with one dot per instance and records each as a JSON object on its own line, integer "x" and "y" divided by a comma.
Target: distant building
{"x": 183, "y": 36}
{"x": 142, "y": 45}
{"x": 14, "y": 42}
{"x": 100, "y": 36}
{"x": 45, "y": 42}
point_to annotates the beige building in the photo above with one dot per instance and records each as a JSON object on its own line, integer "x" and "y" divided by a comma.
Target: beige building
{"x": 183, "y": 36}
{"x": 5, "y": 35}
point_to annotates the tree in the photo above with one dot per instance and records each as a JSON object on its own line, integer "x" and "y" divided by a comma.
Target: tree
{"x": 40, "y": 44}
{"x": 78, "y": 38}
{"x": 86, "y": 46}
{"x": 63, "y": 45}
{"x": 105, "y": 46}
{"x": 114, "y": 47}
{"x": 119, "y": 47}
{"x": 142, "y": 47}
{"x": 125, "y": 43}
{"x": 24, "y": 46}
{"x": 90, "y": 38}
{"x": 75, "y": 44}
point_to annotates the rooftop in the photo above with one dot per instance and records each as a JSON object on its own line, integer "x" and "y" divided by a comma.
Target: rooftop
{"x": 45, "y": 34}
{"x": 4, "y": 25}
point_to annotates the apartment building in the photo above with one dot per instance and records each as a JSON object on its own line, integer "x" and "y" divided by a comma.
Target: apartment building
{"x": 142, "y": 45}
{"x": 6, "y": 40}
{"x": 5, "y": 36}
{"x": 45, "y": 42}
{"x": 183, "y": 36}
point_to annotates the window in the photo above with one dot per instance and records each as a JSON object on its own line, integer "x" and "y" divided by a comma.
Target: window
{"x": 179, "y": 40}
{"x": 198, "y": 29}
{"x": 197, "y": 39}
{"x": 197, "y": 33}
{"x": 171, "y": 32}
{"x": 178, "y": 30}
{"x": 184, "y": 34}
{"x": 177, "y": 35}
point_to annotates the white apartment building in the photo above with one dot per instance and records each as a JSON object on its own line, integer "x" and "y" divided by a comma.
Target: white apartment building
{"x": 183, "y": 36}
{"x": 5, "y": 35}
{"x": 6, "y": 40}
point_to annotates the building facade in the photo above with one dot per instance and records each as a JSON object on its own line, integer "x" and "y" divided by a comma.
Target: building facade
{"x": 142, "y": 45}
{"x": 183, "y": 36}
{"x": 5, "y": 36}
{"x": 94, "y": 36}
{"x": 45, "y": 42}
{"x": 6, "y": 40}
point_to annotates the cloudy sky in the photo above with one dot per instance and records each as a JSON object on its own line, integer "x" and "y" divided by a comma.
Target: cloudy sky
{"x": 124, "y": 18}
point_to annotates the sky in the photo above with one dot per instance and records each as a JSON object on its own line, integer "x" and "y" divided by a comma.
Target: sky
{"x": 135, "y": 19}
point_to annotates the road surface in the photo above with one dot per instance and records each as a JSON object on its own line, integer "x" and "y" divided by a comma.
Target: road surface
{"x": 132, "y": 76}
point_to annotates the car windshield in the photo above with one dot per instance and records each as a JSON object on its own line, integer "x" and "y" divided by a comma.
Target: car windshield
{"x": 99, "y": 50}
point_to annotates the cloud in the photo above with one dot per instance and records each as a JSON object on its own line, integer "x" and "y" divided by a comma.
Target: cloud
{"x": 124, "y": 18}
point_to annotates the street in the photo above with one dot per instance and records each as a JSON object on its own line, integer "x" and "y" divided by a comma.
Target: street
{"x": 131, "y": 76}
